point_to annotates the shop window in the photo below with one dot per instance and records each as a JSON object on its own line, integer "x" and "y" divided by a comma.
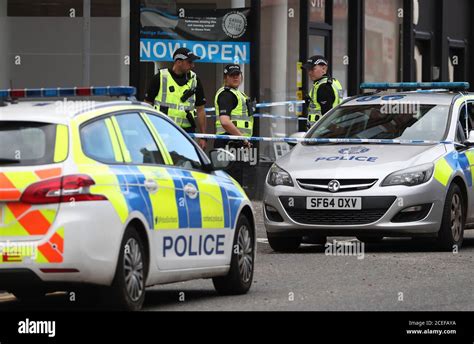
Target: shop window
{"x": 340, "y": 41}
{"x": 317, "y": 11}
{"x": 423, "y": 61}
{"x": 456, "y": 64}
{"x": 382, "y": 40}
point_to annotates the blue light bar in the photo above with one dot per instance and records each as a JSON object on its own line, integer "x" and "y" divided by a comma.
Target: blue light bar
{"x": 109, "y": 91}
{"x": 33, "y": 93}
{"x": 50, "y": 92}
{"x": 67, "y": 92}
{"x": 100, "y": 91}
{"x": 414, "y": 85}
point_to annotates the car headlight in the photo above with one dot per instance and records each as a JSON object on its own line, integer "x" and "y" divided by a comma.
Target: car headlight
{"x": 277, "y": 176}
{"x": 411, "y": 176}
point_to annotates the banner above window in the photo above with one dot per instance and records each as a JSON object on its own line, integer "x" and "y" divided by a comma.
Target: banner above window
{"x": 217, "y": 36}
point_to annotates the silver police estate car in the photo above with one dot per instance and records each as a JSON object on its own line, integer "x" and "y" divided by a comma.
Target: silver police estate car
{"x": 383, "y": 164}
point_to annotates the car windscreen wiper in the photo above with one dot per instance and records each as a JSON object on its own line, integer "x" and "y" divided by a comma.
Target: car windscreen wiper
{"x": 9, "y": 161}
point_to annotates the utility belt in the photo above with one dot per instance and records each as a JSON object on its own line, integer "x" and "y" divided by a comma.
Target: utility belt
{"x": 238, "y": 124}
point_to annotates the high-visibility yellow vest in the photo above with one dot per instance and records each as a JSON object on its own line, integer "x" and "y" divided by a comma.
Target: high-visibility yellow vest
{"x": 177, "y": 109}
{"x": 314, "y": 110}
{"x": 239, "y": 115}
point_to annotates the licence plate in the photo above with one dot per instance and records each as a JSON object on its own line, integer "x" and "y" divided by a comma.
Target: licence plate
{"x": 334, "y": 203}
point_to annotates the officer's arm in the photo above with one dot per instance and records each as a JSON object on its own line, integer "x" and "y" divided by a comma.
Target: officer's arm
{"x": 200, "y": 103}
{"x": 228, "y": 126}
{"x": 153, "y": 89}
{"x": 201, "y": 115}
{"x": 326, "y": 97}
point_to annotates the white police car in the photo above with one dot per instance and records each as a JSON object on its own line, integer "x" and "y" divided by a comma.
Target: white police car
{"x": 385, "y": 164}
{"x": 113, "y": 194}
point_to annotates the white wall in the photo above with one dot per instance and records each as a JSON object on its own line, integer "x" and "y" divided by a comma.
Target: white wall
{"x": 51, "y": 50}
{"x": 279, "y": 55}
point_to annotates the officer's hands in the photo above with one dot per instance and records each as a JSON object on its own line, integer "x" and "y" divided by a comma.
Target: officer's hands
{"x": 202, "y": 143}
{"x": 247, "y": 144}
{"x": 307, "y": 100}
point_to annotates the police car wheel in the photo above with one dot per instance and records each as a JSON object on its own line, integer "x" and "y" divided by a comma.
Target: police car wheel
{"x": 451, "y": 232}
{"x": 128, "y": 287}
{"x": 284, "y": 244}
{"x": 240, "y": 276}
{"x": 370, "y": 239}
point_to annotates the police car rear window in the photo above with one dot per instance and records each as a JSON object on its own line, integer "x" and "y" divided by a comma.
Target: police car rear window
{"x": 26, "y": 143}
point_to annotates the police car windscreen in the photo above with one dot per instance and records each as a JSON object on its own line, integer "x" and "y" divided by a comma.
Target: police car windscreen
{"x": 411, "y": 122}
{"x": 26, "y": 143}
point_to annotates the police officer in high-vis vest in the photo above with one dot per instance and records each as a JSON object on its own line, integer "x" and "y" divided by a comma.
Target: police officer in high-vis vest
{"x": 233, "y": 107}
{"x": 234, "y": 111}
{"x": 178, "y": 93}
{"x": 326, "y": 92}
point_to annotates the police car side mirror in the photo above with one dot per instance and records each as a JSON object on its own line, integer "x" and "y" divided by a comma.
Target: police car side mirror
{"x": 221, "y": 159}
{"x": 470, "y": 140}
{"x": 298, "y": 135}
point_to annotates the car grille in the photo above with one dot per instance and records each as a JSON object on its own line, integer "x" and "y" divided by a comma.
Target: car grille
{"x": 373, "y": 209}
{"x": 346, "y": 184}
{"x": 335, "y": 217}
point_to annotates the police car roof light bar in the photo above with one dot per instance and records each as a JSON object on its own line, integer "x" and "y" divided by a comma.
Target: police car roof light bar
{"x": 415, "y": 85}
{"x": 109, "y": 91}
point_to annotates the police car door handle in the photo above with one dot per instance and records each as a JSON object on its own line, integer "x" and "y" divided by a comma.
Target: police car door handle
{"x": 191, "y": 191}
{"x": 151, "y": 185}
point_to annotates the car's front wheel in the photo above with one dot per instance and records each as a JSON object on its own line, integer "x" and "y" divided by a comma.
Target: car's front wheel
{"x": 240, "y": 276}
{"x": 451, "y": 232}
{"x": 284, "y": 244}
{"x": 128, "y": 287}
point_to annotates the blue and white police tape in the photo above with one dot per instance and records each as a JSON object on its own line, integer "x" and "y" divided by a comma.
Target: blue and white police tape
{"x": 267, "y": 115}
{"x": 317, "y": 140}
{"x": 267, "y": 105}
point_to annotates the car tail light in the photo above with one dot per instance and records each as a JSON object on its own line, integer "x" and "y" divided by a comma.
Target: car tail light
{"x": 73, "y": 188}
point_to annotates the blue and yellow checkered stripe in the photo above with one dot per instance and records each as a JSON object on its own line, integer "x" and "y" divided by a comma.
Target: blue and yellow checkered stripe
{"x": 454, "y": 161}
{"x": 216, "y": 205}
